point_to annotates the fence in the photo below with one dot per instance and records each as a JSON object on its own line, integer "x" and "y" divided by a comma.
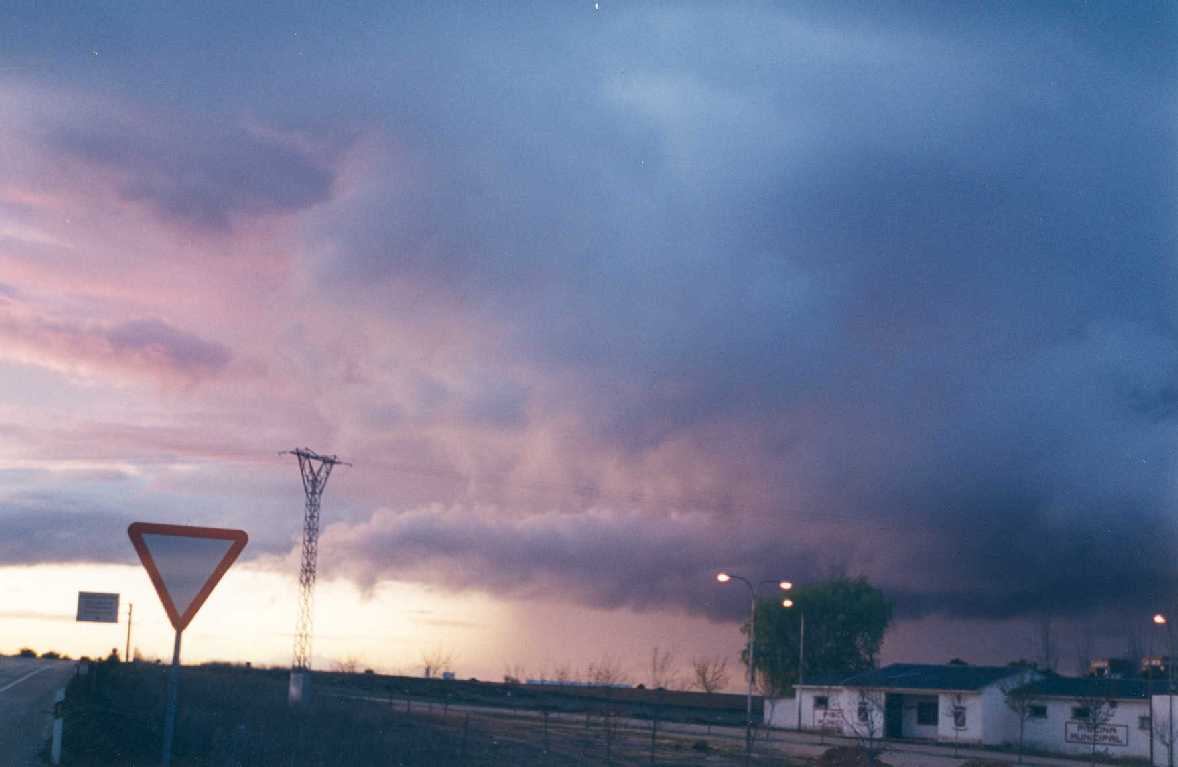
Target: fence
{"x": 241, "y": 719}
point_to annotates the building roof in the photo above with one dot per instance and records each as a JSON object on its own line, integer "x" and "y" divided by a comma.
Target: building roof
{"x": 835, "y": 679}
{"x": 1095, "y": 687}
{"x": 918, "y": 676}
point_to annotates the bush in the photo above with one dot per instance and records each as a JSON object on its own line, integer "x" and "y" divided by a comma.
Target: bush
{"x": 851, "y": 756}
{"x": 27, "y": 652}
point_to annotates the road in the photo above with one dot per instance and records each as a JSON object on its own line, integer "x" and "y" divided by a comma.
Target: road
{"x": 27, "y": 686}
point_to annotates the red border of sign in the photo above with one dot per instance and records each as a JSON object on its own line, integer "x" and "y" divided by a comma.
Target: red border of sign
{"x": 137, "y": 530}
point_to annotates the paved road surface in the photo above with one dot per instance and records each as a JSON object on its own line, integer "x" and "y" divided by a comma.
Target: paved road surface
{"x": 26, "y": 700}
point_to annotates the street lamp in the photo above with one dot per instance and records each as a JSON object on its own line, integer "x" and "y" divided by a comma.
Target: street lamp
{"x": 788, "y": 603}
{"x": 1161, "y": 620}
{"x": 752, "y": 646}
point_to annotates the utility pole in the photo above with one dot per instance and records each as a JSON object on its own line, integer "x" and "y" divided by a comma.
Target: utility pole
{"x": 314, "y": 469}
{"x": 130, "y": 615}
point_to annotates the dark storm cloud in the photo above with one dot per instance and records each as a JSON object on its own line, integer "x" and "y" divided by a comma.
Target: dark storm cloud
{"x": 603, "y": 559}
{"x": 54, "y": 528}
{"x": 206, "y": 177}
{"x": 933, "y": 258}
{"x": 920, "y": 256}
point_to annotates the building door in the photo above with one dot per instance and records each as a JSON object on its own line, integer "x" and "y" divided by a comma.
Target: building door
{"x": 894, "y": 715}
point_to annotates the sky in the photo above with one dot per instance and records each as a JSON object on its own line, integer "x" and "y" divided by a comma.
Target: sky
{"x": 597, "y": 298}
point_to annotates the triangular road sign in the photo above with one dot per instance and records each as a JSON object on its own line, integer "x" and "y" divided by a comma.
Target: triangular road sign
{"x": 185, "y": 563}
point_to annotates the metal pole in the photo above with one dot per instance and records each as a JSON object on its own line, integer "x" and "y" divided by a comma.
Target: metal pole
{"x": 170, "y": 713}
{"x": 752, "y": 650}
{"x": 1149, "y": 692}
{"x": 55, "y": 743}
{"x": 1170, "y": 689}
{"x": 801, "y": 668}
{"x": 130, "y": 615}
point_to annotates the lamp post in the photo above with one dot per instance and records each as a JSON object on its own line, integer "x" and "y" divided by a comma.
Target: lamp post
{"x": 1149, "y": 686}
{"x": 751, "y": 649}
{"x": 1161, "y": 620}
{"x": 788, "y": 603}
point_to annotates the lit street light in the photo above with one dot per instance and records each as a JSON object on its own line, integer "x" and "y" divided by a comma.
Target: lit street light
{"x": 752, "y": 647}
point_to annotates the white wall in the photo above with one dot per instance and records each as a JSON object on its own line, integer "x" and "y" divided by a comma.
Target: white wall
{"x": 1050, "y": 734}
{"x": 781, "y": 712}
{"x": 842, "y": 713}
{"x": 974, "y": 718}
{"x": 1161, "y": 716}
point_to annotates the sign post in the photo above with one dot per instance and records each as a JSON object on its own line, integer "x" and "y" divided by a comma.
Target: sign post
{"x": 185, "y": 564}
{"x": 97, "y": 607}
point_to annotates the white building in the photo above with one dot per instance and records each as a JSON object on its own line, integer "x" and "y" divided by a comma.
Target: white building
{"x": 948, "y": 703}
{"x": 972, "y": 704}
{"x": 1066, "y": 714}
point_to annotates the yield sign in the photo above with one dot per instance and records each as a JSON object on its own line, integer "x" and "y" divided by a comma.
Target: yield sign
{"x": 185, "y": 563}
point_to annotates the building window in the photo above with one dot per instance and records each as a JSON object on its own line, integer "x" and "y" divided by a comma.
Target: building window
{"x": 926, "y": 712}
{"x": 864, "y": 712}
{"x": 1080, "y": 712}
{"x": 1036, "y": 712}
{"x": 1143, "y": 723}
{"x": 821, "y": 702}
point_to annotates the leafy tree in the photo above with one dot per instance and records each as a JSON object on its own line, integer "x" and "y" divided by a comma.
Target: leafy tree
{"x": 846, "y": 619}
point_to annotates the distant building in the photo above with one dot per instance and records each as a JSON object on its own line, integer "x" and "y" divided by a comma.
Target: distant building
{"x": 948, "y": 703}
{"x": 968, "y": 704}
{"x": 1155, "y": 666}
{"x": 1112, "y": 668}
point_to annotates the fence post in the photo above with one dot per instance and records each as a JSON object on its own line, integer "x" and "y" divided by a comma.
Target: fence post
{"x": 465, "y": 732}
{"x": 546, "y": 749}
{"x": 55, "y": 747}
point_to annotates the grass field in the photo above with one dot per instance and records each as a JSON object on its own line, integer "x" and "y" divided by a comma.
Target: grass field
{"x": 240, "y": 718}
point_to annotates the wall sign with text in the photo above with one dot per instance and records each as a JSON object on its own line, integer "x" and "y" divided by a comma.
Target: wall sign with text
{"x": 1102, "y": 734}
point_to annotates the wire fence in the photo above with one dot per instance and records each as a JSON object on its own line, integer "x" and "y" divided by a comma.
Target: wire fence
{"x": 114, "y": 716}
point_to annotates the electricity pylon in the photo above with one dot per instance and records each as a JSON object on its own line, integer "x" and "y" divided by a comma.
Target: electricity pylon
{"x": 315, "y": 469}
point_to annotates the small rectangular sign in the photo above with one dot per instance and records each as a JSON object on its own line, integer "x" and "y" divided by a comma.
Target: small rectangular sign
{"x": 1104, "y": 734}
{"x": 98, "y": 607}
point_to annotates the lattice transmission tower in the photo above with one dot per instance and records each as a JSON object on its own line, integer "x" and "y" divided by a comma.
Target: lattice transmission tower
{"x": 314, "y": 469}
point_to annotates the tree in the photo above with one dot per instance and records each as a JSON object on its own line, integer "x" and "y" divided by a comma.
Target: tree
{"x": 514, "y": 673}
{"x": 563, "y": 673}
{"x": 709, "y": 674}
{"x": 1097, "y": 710}
{"x": 435, "y": 661}
{"x": 846, "y": 619}
{"x": 866, "y": 721}
{"x": 772, "y": 690}
{"x": 1019, "y": 700}
{"x": 662, "y": 669}
{"x": 606, "y": 672}
{"x": 1047, "y": 659}
{"x": 348, "y": 665}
